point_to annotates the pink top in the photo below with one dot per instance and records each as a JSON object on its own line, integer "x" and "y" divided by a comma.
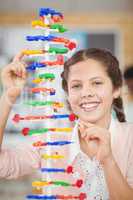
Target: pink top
{"x": 18, "y": 162}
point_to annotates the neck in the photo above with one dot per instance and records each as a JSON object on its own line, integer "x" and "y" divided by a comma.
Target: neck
{"x": 104, "y": 122}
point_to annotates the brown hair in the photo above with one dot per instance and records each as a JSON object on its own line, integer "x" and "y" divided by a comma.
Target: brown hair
{"x": 111, "y": 65}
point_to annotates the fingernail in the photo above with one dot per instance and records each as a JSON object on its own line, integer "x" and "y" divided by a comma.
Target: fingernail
{"x": 18, "y": 74}
{"x": 82, "y": 135}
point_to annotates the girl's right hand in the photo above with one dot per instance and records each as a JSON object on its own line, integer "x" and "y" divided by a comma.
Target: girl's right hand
{"x": 14, "y": 77}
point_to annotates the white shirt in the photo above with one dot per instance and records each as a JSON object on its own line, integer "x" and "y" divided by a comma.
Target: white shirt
{"x": 95, "y": 185}
{"x": 75, "y": 147}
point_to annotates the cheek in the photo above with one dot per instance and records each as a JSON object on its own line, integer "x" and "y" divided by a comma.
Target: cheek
{"x": 73, "y": 99}
{"x": 106, "y": 96}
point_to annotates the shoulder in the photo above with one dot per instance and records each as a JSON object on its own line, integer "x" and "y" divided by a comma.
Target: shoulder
{"x": 125, "y": 126}
{"x": 122, "y": 144}
{"x": 125, "y": 131}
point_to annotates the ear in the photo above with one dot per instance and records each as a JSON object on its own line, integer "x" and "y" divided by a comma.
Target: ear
{"x": 117, "y": 93}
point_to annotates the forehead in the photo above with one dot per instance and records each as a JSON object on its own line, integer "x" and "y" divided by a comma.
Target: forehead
{"x": 87, "y": 69}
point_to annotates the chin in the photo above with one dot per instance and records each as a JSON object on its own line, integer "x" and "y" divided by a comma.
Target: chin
{"x": 89, "y": 119}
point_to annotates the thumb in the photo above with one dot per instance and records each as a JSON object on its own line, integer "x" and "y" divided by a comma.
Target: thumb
{"x": 18, "y": 57}
{"x": 82, "y": 130}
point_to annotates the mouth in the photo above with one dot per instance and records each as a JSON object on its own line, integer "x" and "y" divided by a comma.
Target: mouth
{"x": 89, "y": 106}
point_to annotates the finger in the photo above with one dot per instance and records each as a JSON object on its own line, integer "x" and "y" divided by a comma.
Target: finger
{"x": 18, "y": 57}
{"x": 99, "y": 137}
{"x": 83, "y": 134}
{"x": 87, "y": 125}
{"x": 22, "y": 71}
{"x": 82, "y": 130}
{"x": 92, "y": 136}
{"x": 19, "y": 72}
{"x": 18, "y": 69}
{"x": 81, "y": 126}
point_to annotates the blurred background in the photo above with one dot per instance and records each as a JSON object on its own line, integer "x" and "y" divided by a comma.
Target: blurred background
{"x": 98, "y": 23}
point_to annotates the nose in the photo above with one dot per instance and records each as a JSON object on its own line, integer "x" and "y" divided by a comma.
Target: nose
{"x": 87, "y": 91}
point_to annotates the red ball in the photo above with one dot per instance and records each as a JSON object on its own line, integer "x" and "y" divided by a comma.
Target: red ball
{"x": 69, "y": 169}
{"x": 72, "y": 117}
{"x": 16, "y": 118}
{"x": 71, "y": 45}
{"x": 60, "y": 59}
{"x": 25, "y": 131}
{"x": 79, "y": 183}
{"x": 82, "y": 196}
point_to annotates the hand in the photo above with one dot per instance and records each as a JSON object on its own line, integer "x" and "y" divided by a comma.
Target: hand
{"x": 14, "y": 77}
{"x": 95, "y": 141}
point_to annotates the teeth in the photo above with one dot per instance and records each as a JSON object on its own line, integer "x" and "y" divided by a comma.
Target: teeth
{"x": 89, "y": 105}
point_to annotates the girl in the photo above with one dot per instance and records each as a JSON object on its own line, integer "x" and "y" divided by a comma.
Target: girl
{"x": 102, "y": 152}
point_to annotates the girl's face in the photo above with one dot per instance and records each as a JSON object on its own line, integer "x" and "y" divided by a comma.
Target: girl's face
{"x": 90, "y": 91}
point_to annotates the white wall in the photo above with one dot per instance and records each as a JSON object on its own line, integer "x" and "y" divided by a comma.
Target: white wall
{"x": 67, "y": 5}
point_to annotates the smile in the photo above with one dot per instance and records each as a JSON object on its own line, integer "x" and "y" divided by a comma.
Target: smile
{"x": 89, "y": 106}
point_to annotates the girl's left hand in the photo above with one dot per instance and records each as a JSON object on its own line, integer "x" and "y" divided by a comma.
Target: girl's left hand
{"x": 95, "y": 141}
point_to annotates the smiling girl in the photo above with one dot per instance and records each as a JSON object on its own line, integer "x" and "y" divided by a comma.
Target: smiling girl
{"x": 102, "y": 152}
{"x": 93, "y": 81}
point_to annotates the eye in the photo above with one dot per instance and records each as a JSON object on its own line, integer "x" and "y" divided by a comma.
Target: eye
{"x": 76, "y": 86}
{"x": 97, "y": 83}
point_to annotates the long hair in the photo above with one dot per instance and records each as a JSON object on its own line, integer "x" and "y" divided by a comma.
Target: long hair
{"x": 111, "y": 66}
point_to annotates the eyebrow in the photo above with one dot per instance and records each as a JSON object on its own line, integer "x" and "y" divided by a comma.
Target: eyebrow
{"x": 96, "y": 77}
